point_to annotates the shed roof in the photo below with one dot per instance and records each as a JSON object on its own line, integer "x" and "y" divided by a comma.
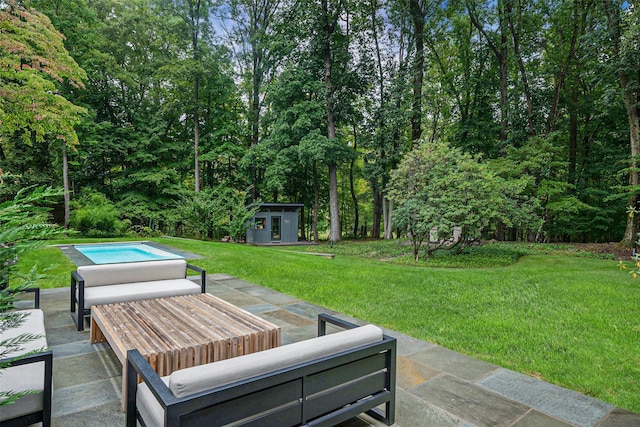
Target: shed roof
{"x": 281, "y": 205}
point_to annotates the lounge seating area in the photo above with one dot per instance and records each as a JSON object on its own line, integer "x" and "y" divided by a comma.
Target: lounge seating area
{"x": 113, "y": 283}
{"x": 322, "y": 381}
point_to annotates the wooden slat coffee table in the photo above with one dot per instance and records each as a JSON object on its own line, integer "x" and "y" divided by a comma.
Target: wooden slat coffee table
{"x": 180, "y": 332}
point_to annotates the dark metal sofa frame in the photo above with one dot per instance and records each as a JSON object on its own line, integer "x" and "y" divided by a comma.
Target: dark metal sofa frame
{"x": 322, "y": 392}
{"x": 77, "y": 281}
{"x": 43, "y": 416}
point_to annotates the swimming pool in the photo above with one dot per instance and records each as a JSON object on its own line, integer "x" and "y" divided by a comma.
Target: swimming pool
{"x": 124, "y": 252}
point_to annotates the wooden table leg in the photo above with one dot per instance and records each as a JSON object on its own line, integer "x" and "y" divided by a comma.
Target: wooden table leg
{"x": 124, "y": 387}
{"x": 96, "y": 333}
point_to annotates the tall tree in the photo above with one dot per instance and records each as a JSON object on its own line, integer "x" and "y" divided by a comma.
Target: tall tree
{"x": 498, "y": 43}
{"x": 566, "y": 46}
{"x": 386, "y": 131}
{"x": 33, "y": 65}
{"x": 254, "y": 34}
{"x": 624, "y": 30}
{"x": 418, "y": 12}
{"x": 196, "y": 18}
{"x": 514, "y": 15}
{"x": 330, "y": 14}
{"x": 253, "y": 28}
{"x": 322, "y": 48}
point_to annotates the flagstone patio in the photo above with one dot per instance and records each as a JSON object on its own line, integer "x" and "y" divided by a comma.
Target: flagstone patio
{"x": 436, "y": 386}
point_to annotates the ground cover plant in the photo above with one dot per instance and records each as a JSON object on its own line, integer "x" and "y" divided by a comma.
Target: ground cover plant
{"x": 570, "y": 320}
{"x": 488, "y": 254}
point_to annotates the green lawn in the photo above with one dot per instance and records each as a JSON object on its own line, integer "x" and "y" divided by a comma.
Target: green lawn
{"x": 570, "y": 320}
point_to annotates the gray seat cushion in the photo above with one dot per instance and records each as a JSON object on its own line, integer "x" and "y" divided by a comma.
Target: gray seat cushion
{"x": 98, "y": 295}
{"x": 113, "y": 274}
{"x": 205, "y": 377}
{"x": 24, "y": 377}
{"x": 148, "y": 406}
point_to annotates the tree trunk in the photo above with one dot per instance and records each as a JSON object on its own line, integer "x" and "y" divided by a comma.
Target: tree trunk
{"x": 196, "y": 134}
{"x": 504, "y": 79}
{"x": 515, "y": 35}
{"x": 354, "y": 197}
{"x": 632, "y": 103}
{"x": 316, "y": 203}
{"x": 255, "y": 116}
{"x": 334, "y": 208}
{"x": 388, "y": 227}
{"x": 384, "y": 215}
{"x": 417, "y": 16}
{"x": 377, "y": 211}
{"x": 579, "y": 16}
{"x": 196, "y": 99}
{"x": 573, "y": 136}
{"x": 256, "y": 82}
{"x": 65, "y": 184}
{"x": 500, "y": 53}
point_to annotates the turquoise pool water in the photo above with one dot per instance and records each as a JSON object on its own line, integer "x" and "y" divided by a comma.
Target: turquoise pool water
{"x": 124, "y": 252}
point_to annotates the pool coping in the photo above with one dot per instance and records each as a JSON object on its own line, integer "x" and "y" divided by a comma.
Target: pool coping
{"x": 69, "y": 250}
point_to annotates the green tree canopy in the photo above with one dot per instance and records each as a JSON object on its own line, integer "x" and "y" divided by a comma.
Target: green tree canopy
{"x": 33, "y": 62}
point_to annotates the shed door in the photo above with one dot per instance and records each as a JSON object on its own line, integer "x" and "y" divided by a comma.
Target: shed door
{"x": 276, "y": 233}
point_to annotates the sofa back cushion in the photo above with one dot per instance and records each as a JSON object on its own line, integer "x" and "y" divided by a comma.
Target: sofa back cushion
{"x": 205, "y": 377}
{"x": 114, "y": 274}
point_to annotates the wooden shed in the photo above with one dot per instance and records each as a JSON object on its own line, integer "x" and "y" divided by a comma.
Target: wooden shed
{"x": 275, "y": 223}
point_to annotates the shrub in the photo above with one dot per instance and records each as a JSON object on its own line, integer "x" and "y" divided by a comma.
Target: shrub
{"x": 93, "y": 215}
{"x": 447, "y": 198}
{"x": 216, "y": 212}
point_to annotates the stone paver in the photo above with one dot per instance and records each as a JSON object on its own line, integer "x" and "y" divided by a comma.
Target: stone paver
{"x": 84, "y": 397}
{"x": 621, "y": 418}
{"x": 96, "y": 366}
{"x": 411, "y": 411}
{"x": 578, "y": 409}
{"x": 470, "y": 402}
{"x": 537, "y": 419}
{"x": 411, "y": 374}
{"x": 459, "y": 365}
{"x": 107, "y": 414}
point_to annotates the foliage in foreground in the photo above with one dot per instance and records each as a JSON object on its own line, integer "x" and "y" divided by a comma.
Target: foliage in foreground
{"x": 24, "y": 226}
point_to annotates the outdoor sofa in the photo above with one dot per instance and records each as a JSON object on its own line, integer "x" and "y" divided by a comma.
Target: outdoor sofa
{"x": 133, "y": 281}
{"x": 322, "y": 381}
{"x": 31, "y": 372}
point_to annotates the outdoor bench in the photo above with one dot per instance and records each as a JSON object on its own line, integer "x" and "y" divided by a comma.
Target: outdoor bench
{"x": 31, "y": 372}
{"x": 322, "y": 381}
{"x": 113, "y": 283}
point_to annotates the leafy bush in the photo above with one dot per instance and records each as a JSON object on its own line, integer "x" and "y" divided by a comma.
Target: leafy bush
{"x": 447, "y": 198}
{"x": 215, "y": 213}
{"x": 93, "y": 215}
